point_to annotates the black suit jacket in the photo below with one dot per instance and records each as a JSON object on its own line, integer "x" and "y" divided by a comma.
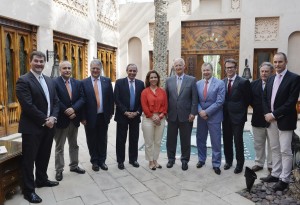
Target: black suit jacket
{"x": 122, "y": 99}
{"x": 89, "y": 112}
{"x": 258, "y": 118}
{"x": 236, "y": 105}
{"x": 65, "y": 102}
{"x": 34, "y": 103}
{"x": 285, "y": 101}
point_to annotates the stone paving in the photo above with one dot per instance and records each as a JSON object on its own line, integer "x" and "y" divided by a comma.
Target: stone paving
{"x": 140, "y": 185}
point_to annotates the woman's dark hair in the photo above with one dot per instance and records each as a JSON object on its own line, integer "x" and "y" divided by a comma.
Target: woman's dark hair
{"x": 147, "y": 81}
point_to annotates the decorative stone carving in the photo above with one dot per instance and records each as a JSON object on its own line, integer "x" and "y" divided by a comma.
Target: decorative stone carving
{"x": 266, "y": 29}
{"x": 151, "y": 33}
{"x": 235, "y": 5}
{"x": 107, "y": 13}
{"x": 75, "y": 6}
{"x": 186, "y": 7}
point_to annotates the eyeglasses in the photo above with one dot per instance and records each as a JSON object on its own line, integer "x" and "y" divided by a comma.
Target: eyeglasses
{"x": 230, "y": 68}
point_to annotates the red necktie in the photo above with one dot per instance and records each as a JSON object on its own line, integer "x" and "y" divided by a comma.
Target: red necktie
{"x": 229, "y": 87}
{"x": 205, "y": 90}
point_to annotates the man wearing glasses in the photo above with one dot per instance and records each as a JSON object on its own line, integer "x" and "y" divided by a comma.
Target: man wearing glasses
{"x": 235, "y": 115}
{"x": 71, "y": 101}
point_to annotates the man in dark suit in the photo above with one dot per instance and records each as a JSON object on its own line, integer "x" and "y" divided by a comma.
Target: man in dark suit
{"x": 182, "y": 107}
{"x": 259, "y": 124}
{"x": 71, "y": 100}
{"x": 280, "y": 98}
{"x": 39, "y": 104}
{"x": 237, "y": 99}
{"x": 127, "y": 96}
{"x": 211, "y": 95}
{"x": 96, "y": 114}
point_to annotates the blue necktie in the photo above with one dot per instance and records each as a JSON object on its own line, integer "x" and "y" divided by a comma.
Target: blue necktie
{"x": 132, "y": 95}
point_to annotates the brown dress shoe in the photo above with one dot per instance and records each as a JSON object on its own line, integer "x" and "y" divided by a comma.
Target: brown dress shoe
{"x": 257, "y": 168}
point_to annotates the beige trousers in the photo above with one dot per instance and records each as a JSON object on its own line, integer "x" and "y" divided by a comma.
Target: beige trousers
{"x": 152, "y": 135}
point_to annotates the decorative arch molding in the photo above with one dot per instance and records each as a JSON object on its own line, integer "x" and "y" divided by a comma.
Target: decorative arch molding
{"x": 135, "y": 52}
{"x": 107, "y": 13}
{"x": 75, "y": 6}
{"x": 293, "y": 51}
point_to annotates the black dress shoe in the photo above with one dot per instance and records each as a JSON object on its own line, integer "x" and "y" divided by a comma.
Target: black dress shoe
{"x": 135, "y": 164}
{"x": 217, "y": 170}
{"x": 238, "y": 169}
{"x": 95, "y": 167}
{"x": 280, "y": 186}
{"x": 59, "y": 175}
{"x": 32, "y": 198}
{"x": 269, "y": 178}
{"x": 78, "y": 170}
{"x": 121, "y": 166}
{"x": 200, "y": 164}
{"x": 47, "y": 183}
{"x": 227, "y": 166}
{"x": 170, "y": 164}
{"x": 257, "y": 168}
{"x": 184, "y": 166}
{"x": 103, "y": 166}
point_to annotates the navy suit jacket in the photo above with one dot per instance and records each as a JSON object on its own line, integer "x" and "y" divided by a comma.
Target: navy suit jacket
{"x": 65, "y": 102}
{"x": 122, "y": 100}
{"x": 258, "y": 118}
{"x": 89, "y": 112}
{"x": 285, "y": 101}
{"x": 34, "y": 104}
{"x": 236, "y": 105}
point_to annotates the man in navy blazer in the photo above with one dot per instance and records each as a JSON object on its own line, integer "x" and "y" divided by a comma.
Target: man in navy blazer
{"x": 127, "y": 96}
{"x": 211, "y": 95}
{"x": 39, "y": 103}
{"x": 71, "y": 101}
{"x": 96, "y": 114}
{"x": 280, "y": 98}
{"x": 237, "y": 99}
{"x": 258, "y": 122}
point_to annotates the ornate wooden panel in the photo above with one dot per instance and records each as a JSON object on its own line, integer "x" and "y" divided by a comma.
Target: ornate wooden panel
{"x": 108, "y": 55}
{"x": 18, "y": 40}
{"x": 215, "y": 37}
{"x": 73, "y": 49}
{"x": 260, "y": 56}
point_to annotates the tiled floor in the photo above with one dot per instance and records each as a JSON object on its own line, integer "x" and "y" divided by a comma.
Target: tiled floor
{"x": 140, "y": 185}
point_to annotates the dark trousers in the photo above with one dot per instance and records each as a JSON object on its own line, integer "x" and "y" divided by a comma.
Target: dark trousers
{"x": 185, "y": 131}
{"x": 134, "y": 130}
{"x": 96, "y": 138}
{"x": 36, "y": 150}
{"x": 233, "y": 132}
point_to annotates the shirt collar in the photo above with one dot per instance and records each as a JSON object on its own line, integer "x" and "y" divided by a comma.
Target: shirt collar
{"x": 282, "y": 73}
{"x": 129, "y": 80}
{"x": 233, "y": 78}
{"x": 36, "y": 75}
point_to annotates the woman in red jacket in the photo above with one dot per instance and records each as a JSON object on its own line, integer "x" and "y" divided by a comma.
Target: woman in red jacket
{"x": 155, "y": 106}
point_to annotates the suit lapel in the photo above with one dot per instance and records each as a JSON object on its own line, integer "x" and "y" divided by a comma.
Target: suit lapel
{"x": 37, "y": 83}
{"x": 282, "y": 84}
{"x": 183, "y": 84}
{"x": 235, "y": 84}
{"x": 211, "y": 87}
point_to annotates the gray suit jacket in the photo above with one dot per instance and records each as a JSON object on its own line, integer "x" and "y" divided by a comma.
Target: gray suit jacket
{"x": 185, "y": 103}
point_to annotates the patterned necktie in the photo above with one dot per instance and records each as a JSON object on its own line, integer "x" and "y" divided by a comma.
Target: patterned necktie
{"x": 96, "y": 90}
{"x": 132, "y": 95}
{"x": 46, "y": 91}
{"x": 69, "y": 88}
{"x": 205, "y": 89}
{"x": 229, "y": 87}
{"x": 276, "y": 84}
{"x": 178, "y": 85}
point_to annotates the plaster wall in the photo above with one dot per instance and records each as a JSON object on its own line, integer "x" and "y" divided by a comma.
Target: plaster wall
{"x": 135, "y": 18}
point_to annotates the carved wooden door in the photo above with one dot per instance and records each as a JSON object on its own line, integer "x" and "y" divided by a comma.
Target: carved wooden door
{"x": 17, "y": 42}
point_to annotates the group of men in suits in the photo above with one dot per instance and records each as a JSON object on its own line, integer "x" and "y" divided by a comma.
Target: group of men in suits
{"x": 66, "y": 101}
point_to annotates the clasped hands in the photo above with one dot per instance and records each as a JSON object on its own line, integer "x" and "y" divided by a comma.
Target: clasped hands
{"x": 131, "y": 115}
{"x": 269, "y": 117}
{"x": 156, "y": 119}
{"x": 50, "y": 121}
{"x": 70, "y": 112}
{"x": 203, "y": 115}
